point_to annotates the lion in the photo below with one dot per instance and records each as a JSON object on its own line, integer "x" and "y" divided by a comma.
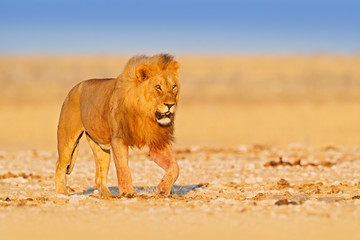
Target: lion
{"x": 133, "y": 110}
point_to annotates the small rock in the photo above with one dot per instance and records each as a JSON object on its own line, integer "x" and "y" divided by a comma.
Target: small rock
{"x": 285, "y": 202}
{"x": 291, "y": 191}
{"x": 259, "y": 196}
{"x": 283, "y": 183}
{"x": 356, "y": 197}
{"x": 346, "y": 196}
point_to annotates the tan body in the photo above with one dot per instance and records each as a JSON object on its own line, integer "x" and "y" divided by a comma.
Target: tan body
{"x": 135, "y": 109}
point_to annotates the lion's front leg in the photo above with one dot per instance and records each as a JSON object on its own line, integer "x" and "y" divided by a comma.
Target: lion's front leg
{"x": 165, "y": 159}
{"x": 120, "y": 155}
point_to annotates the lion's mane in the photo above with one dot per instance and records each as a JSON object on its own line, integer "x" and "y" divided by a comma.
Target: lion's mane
{"x": 137, "y": 119}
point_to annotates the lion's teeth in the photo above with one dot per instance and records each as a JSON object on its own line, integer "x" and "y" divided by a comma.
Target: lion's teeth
{"x": 164, "y": 121}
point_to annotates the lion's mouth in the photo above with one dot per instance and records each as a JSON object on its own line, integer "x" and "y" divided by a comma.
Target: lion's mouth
{"x": 164, "y": 119}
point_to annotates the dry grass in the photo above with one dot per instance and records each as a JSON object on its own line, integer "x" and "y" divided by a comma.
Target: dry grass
{"x": 225, "y": 101}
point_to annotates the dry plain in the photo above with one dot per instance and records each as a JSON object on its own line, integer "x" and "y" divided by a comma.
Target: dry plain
{"x": 269, "y": 147}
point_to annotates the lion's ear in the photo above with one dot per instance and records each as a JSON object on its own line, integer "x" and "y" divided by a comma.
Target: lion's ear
{"x": 174, "y": 67}
{"x": 142, "y": 73}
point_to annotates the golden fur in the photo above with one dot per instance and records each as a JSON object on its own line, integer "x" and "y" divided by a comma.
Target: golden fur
{"x": 138, "y": 107}
{"x": 135, "y": 109}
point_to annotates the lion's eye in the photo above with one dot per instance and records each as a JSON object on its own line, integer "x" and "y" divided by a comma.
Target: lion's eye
{"x": 174, "y": 87}
{"x": 158, "y": 87}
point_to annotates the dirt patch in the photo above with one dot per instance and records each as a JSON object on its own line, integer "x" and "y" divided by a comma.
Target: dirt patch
{"x": 297, "y": 163}
{"x": 216, "y": 186}
{"x": 22, "y": 175}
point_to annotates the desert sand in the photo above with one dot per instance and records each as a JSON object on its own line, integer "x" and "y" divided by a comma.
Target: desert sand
{"x": 268, "y": 147}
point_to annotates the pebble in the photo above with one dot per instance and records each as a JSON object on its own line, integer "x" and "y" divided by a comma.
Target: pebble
{"x": 346, "y": 196}
{"x": 291, "y": 191}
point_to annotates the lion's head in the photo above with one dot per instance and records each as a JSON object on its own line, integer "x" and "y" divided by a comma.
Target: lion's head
{"x": 150, "y": 87}
{"x": 161, "y": 85}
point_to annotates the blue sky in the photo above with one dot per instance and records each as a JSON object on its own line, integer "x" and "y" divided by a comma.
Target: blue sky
{"x": 187, "y": 26}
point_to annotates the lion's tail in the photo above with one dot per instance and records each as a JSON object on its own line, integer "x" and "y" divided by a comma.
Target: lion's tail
{"x": 71, "y": 165}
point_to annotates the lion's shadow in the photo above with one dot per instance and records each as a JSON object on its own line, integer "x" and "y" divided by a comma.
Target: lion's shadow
{"x": 177, "y": 190}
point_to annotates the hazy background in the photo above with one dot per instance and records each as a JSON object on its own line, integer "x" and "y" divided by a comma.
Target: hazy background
{"x": 252, "y": 72}
{"x": 186, "y": 26}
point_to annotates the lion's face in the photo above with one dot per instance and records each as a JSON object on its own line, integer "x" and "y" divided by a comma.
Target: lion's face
{"x": 162, "y": 90}
{"x": 166, "y": 92}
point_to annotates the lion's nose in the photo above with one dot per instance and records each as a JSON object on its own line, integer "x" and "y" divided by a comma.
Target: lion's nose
{"x": 169, "y": 105}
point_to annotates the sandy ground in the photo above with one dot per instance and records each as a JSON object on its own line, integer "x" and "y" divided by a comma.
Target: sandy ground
{"x": 252, "y": 191}
{"x": 268, "y": 147}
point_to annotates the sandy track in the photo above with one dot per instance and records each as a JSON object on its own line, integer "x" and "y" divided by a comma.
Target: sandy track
{"x": 247, "y": 191}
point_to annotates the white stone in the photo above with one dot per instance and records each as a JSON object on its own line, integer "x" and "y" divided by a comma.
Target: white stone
{"x": 346, "y": 196}
{"x": 291, "y": 191}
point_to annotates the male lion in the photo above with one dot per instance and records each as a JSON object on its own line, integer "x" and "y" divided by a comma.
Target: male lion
{"x": 135, "y": 109}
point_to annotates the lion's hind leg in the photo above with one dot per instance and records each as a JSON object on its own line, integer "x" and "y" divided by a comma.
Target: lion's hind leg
{"x": 70, "y": 130}
{"x": 102, "y": 162}
{"x": 67, "y": 155}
